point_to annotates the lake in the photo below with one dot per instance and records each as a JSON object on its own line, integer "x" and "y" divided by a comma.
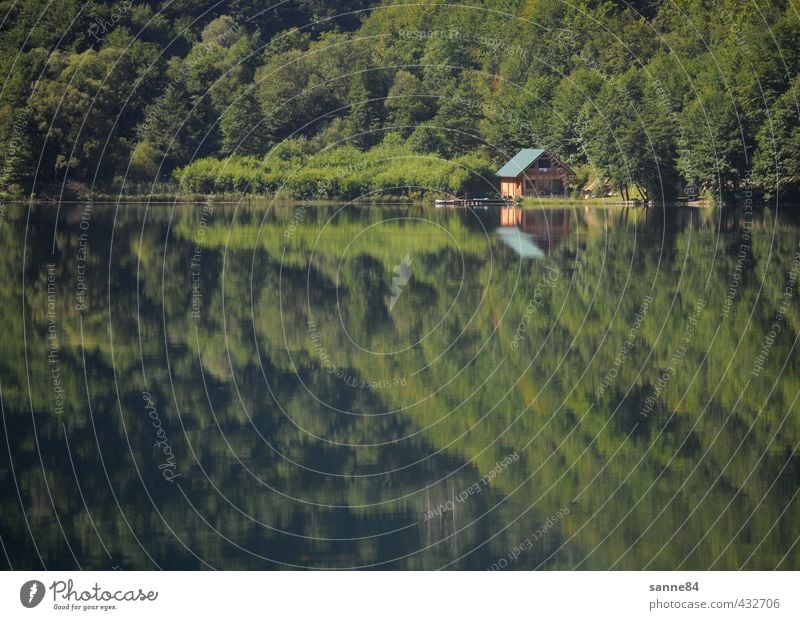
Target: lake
{"x": 339, "y": 386}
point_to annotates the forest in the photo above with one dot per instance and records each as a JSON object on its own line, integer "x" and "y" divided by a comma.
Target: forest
{"x": 316, "y": 98}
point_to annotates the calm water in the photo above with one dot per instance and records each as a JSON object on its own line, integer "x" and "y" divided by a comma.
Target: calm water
{"x": 341, "y": 387}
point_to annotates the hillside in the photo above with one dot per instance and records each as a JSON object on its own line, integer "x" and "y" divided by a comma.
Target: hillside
{"x": 691, "y": 97}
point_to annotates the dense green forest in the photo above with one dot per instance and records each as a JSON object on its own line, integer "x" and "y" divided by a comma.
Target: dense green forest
{"x": 686, "y": 96}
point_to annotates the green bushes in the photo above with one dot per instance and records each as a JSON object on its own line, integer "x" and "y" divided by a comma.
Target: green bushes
{"x": 343, "y": 173}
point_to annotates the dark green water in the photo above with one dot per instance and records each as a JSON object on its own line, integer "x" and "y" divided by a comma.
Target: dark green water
{"x": 342, "y": 387}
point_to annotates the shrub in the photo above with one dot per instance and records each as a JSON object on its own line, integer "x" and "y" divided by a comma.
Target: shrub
{"x": 342, "y": 173}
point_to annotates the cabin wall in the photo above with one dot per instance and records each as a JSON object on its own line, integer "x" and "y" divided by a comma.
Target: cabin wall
{"x": 536, "y": 181}
{"x": 510, "y": 186}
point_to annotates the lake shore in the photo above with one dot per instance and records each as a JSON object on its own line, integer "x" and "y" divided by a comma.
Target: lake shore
{"x": 252, "y": 199}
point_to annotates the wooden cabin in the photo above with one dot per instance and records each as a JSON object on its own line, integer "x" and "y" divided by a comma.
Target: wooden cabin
{"x": 534, "y": 172}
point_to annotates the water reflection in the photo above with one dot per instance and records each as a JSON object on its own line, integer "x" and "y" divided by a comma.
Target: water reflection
{"x": 342, "y": 386}
{"x": 522, "y": 243}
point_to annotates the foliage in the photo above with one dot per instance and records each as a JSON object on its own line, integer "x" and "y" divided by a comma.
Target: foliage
{"x": 648, "y": 95}
{"x": 345, "y": 172}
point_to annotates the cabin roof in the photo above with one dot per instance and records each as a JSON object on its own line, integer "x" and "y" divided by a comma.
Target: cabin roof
{"x": 520, "y": 162}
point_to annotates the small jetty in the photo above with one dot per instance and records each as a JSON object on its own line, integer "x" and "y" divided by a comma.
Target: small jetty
{"x": 471, "y": 203}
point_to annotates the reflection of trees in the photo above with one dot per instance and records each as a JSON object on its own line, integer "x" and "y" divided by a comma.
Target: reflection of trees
{"x": 715, "y": 448}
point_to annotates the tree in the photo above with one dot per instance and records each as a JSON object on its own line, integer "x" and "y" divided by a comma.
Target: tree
{"x": 299, "y": 91}
{"x": 713, "y": 154}
{"x": 407, "y": 104}
{"x": 177, "y": 130}
{"x": 242, "y": 126}
{"x": 365, "y": 118}
{"x": 776, "y": 164}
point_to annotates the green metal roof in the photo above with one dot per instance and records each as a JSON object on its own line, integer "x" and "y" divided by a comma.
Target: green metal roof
{"x": 517, "y": 164}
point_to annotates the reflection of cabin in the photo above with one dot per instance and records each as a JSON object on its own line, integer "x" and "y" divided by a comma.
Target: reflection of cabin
{"x": 549, "y": 229}
{"x": 534, "y": 172}
{"x": 551, "y": 223}
{"x": 510, "y": 216}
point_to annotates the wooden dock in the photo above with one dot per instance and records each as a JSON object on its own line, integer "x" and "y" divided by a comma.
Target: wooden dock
{"x": 472, "y": 203}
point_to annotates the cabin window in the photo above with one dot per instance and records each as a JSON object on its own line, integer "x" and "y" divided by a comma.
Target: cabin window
{"x": 544, "y": 164}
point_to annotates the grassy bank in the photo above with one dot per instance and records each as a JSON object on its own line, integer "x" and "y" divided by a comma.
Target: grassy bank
{"x": 342, "y": 173}
{"x": 607, "y": 202}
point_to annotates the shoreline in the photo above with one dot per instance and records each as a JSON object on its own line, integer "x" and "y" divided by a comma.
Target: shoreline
{"x": 251, "y": 200}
